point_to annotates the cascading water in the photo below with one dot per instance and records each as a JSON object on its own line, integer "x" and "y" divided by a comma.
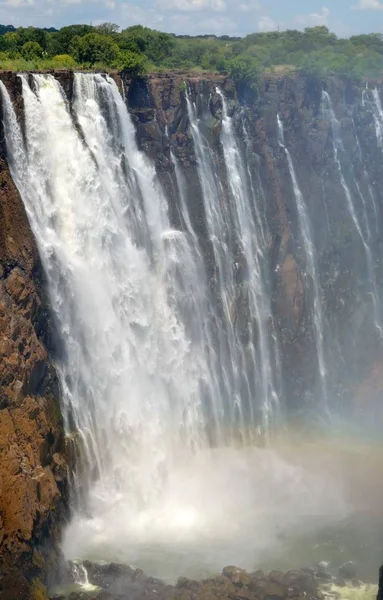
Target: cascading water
{"x": 220, "y": 236}
{"x": 248, "y": 224}
{"x": 165, "y": 382}
{"x": 130, "y": 376}
{"x": 371, "y": 99}
{"x": 311, "y": 269}
{"x": 338, "y": 146}
{"x": 236, "y": 232}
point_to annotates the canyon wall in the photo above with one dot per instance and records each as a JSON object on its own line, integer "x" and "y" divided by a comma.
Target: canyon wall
{"x": 341, "y": 241}
{"x": 33, "y": 471}
{"x": 333, "y": 160}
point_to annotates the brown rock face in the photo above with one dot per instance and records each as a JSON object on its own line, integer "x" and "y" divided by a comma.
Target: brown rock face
{"x": 294, "y": 291}
{"x": 32, "y": 468}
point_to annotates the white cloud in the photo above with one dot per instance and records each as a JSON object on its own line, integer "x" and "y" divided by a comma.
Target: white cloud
{"x": 314, "y": 19}
{"x": 217, "y": 25}
{"x": 368, "y": 5}
{"x": 249, "y": 6}
{"x": 266, "y": 23}
{"x": 192, "y": 5}
{"x": 131, "y": 14}
{"x": 19, "y": 3}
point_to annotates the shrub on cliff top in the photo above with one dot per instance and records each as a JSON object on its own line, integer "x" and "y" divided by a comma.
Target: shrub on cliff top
{"x": 244, "y": 69}
{"x": 132, "y": 62}
{"x": 94, "y": 48}
{"x": 63, "y": 61}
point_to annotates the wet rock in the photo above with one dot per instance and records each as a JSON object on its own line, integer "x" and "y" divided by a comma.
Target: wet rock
{"x": 380, "y": 584}
{"x": 259, "y": 574}
{"x": 120, "y": 582}
{"x": 274, "y": 590}
{"x": 237, "y": 576}
{"x": 105, "y": 575}
{"x": 321, "y": 572}
{"x": 347, "y": 571}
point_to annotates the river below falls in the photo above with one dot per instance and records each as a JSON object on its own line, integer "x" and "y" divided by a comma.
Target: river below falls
{"x": 285, "y": 507}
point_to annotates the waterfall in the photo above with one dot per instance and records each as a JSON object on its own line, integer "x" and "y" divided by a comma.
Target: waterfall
{"x": 130, "y": 375}
{"x": 247, "y": 223}
{"x": 311, "y": 268}
{"x": 338, "y": 146}
{"x": 149, "y": 376}
{"x": 170, "y": 364}
{"x": 249, "y": 354}
{"x": 219, "y": 232}
{"x": 377, "y": 111}
{"x": 378, "y": 117}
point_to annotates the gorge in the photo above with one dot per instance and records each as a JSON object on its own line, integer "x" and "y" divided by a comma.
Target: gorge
{"x": 197, "y": 277}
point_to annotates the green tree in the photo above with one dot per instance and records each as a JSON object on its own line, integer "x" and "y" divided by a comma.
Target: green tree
{"x": 94, "y": 48}
{"x": 155, "y": 44}
{"x": 244, "y": 70}
{"x": 31, "y": 50}
{"x": 11, "y": 40}
{"x": 32, "y": 34}
{"x": 312, "y": 67}
{"x": 107, "y": 29}
{"x": 64, "y": 37}
{"x": 132, "y": 62}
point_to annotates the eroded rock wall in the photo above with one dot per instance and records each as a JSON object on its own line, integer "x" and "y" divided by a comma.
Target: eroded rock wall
{"x": 33, "y": 474}
{"x": 352, "y": 342}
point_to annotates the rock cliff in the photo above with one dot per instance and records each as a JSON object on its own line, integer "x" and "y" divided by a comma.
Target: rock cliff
{"x": 33, "y": 474}
{"x": 159, "y": 106}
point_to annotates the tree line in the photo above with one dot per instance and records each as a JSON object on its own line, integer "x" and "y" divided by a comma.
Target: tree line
{"x": 315, "y": 51}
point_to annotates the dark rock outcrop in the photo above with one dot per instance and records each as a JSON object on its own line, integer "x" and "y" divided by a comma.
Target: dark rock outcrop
{"x": 118, "y": 582}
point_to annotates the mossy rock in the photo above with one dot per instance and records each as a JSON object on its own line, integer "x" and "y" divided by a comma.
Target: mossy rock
{"x": 38, "y": 590}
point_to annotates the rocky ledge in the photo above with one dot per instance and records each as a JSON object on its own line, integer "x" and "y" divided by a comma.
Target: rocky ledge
{"x": 121, "y": 582}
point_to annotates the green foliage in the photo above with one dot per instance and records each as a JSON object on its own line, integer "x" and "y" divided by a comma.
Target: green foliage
{"x": 244, "y": 69}
{"x": 31, "y": 34}
{"x": 107, "y": 29}
{"x": 94, "y": 48}
{"x": 314, "y": 52}
{"x": 63, "y": 61}
{"x": 311, "y": 66}
{"x": 11, "y": 40}
{"x": 31, "y": 50}
{"x": 131, "y": 61}
{"x": 64, "y": 37}
{"x": 6, "y": 28}
{"x": 154, "y": 44}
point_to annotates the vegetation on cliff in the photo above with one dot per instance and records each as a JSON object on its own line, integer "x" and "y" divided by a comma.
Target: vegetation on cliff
{"x": 315, "y": 51}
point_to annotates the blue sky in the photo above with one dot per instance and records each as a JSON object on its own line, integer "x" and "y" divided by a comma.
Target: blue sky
{"x": 234, "y": 17}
